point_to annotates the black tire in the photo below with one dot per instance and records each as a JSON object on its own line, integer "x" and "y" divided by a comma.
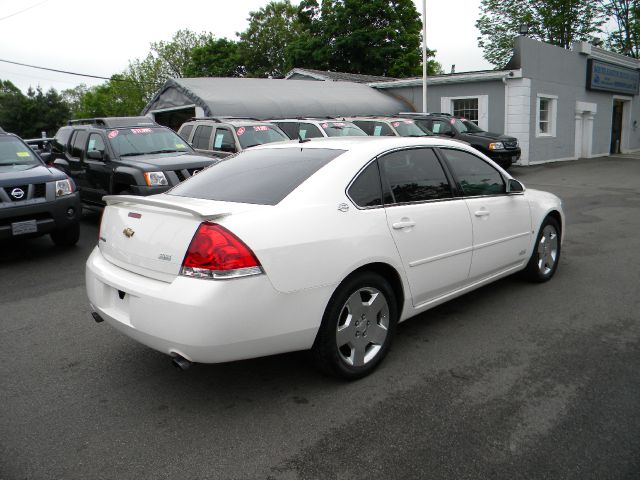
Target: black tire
{"x": 377, "y": 318}
{"x": 546, "y": 253}
{"x": 66, "y": 237}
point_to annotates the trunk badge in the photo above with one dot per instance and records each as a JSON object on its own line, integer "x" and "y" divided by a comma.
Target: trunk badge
{"x": 343, "y": 207}
{"x": 128, "y": 232}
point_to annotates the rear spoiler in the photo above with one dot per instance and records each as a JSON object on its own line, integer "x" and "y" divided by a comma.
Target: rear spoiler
{"x": 155, "y": 202}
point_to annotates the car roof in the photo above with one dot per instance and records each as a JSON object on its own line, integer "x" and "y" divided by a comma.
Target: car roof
{"x": 307, "y": 119}
{"x": 382, "y": 118}
{"x": 114, "y": 122}
{"x": 230, "y": 120}
{"x": 366, "y": 143}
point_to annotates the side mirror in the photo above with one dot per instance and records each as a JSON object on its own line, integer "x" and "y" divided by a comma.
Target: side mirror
{"x": 514, "y": 186}
{"x": 95, "y": 154}
{"x": 47, "y": 158}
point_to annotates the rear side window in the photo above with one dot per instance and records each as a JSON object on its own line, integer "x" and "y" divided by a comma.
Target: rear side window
{"x": 366, "y": 190}
{"x": 77, "y": 143}
{"x": 185, "y": 131}
{"x": 476, "y": 176}
{"x": 414, "y": 176}
{"x": 263, "y": 177}
{"x": 202, "y": 136}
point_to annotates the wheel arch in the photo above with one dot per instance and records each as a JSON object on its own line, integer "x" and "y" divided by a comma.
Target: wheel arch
{"x": 387, "y": 272}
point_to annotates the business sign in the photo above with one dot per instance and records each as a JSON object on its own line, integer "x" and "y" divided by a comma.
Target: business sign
{"x": 606, "y": 77}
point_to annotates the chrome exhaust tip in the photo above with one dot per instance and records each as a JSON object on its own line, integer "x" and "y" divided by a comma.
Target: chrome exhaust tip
{"x": 180, "y": 362}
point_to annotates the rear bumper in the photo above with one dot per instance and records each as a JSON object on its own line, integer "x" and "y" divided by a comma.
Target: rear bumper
{"x": 49, "y": 216}
{"x": 205, "y": 321}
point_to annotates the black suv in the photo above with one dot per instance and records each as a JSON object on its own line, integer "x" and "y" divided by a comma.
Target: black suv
{"x": 35, "y": 199}
{"x": 124, "y": 155}
{"x": 500, "y": 148}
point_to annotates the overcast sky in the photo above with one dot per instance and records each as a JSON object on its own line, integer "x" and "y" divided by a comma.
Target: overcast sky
{"x": 100, "y": 38}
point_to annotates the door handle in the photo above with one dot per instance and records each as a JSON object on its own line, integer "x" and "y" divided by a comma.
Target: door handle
{"x": 482, "y": 213}
{"x": 403, "y": 224}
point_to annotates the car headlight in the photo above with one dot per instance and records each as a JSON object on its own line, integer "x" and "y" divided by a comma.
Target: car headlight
{"x": 154, "y": 179}
{"x": 496, "y": 146}
{"x": 63, "y": 187}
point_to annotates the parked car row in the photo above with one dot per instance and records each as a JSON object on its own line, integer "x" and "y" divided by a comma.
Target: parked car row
{"x": 223, "y": 136}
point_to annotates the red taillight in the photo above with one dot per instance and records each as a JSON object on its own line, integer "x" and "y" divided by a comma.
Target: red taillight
{"x": 215, "y": 252}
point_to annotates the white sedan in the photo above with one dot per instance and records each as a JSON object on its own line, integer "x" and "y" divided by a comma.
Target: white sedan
{"x": 323, "y": 245}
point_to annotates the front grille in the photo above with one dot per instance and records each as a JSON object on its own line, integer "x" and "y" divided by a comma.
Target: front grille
{"x": 20, "y": 193}
{"x": 17, "y": 193}
{"x": 510, "y": 144}
{"x": 40, "y": 190}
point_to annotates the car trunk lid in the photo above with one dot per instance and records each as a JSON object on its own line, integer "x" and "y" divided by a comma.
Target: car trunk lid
{"x": 150, "y": 235}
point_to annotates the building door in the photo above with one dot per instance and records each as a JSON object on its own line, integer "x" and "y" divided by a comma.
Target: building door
{"x": 616, "y": 126}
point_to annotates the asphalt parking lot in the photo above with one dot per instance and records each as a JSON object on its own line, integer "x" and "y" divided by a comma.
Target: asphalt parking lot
{"x": 511, "y": 381}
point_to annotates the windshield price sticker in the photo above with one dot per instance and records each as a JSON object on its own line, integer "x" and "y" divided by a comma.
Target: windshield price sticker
{"x": 240, "y": 131}
{"x": 113, "y": 134}
{"x": 452, "y": 121}
{"x": 22, "y": 154}
{"x": 141, "y": 131}
{"x": 261, "y": 128}
{"x": 180, "y": 145}
{"x": 338, "y": 124}
{"x": 396, "y": 124}
{"x": 325, "y": 125}
{"x": 408, "y": 121}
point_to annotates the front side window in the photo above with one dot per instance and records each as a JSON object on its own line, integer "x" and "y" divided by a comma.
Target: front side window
{"x": 466, "y": 108}
{"x": 95, "y": 143}
{"x": 15, "y": 155}
{"x": 223, "y": 140}
{"x": 262, "y": 177}
{"x": 366, "y": 191}
{"x": 414, "y": 176}
{"x": 442, "y": 127}
{"x": 129, "y": 142}
{"x": 476, "y": 176}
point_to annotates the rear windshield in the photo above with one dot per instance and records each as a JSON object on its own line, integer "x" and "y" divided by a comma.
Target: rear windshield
{"x": 262, "y": 177}
{"x": 129, "y": 142}
{"x": 408, "y": 128}
{"x": 15, "y": 155}
{"x": 253, "y": 135}
{"x": 342, "y": 129}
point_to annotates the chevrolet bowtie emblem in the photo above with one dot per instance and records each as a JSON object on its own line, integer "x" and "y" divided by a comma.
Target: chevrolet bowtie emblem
{"x": 128, "y": 232}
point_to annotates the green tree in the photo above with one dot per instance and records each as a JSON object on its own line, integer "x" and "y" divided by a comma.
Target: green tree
{"x": 216, "y": 58}
{"x": 29, "y": 115}
{"x": 625, "y": 14}
{"x": 377, "y": 37}
{"x": 559, "y": 22}
{"x": 263, "y": 45}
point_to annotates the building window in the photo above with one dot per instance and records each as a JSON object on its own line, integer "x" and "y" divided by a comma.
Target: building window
{"x": 467, "y": 108}
{"x": 474, "y": 108}
{"x": 546, "y": 116}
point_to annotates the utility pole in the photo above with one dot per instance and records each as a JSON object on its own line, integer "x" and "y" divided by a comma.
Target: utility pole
{"x": 424, "y": 56}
